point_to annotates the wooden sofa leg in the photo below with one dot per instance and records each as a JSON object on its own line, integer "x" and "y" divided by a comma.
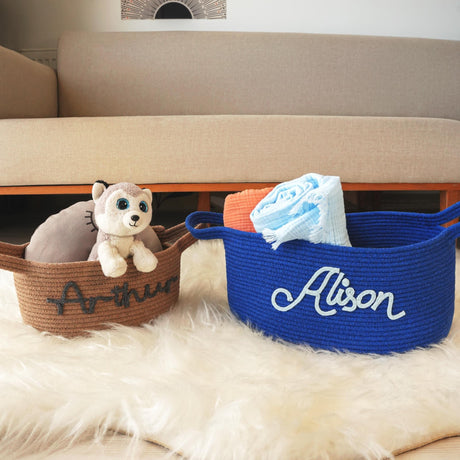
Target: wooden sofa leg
{"x": 448, "y": 198}
{"x": 204, "y": 201}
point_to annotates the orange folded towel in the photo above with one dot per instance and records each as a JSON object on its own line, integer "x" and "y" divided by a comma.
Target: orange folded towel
{"x": 238, "y": 206}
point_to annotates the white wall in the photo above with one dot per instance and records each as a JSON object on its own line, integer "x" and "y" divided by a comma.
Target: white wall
{"x": 38, "y": 23}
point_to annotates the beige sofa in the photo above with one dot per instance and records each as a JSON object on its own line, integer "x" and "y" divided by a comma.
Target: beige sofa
{"x": 221, "y": 111}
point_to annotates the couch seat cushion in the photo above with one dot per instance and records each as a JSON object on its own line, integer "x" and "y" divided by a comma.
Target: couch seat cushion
{"x": 227, "y": 148}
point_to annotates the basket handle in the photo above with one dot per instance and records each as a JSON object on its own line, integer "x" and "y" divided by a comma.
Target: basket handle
{"x": 446, "y": 215}
{"x": 208, "y": 233}
{"x": 453, "y": 231}
{"x": 11, "y": 257}
{"x": 177, "y": 235}
{"x": 186, "y": 240}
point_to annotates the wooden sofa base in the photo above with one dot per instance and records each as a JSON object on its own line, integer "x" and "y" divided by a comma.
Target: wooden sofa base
{"x": 449, "y": 192}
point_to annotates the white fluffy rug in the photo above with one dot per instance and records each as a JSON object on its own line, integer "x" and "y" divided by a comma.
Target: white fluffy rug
{"x": 205, "y": 385}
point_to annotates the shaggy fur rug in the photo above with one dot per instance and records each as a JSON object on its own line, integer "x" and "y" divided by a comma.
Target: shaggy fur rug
{"x": 205, "y": 385}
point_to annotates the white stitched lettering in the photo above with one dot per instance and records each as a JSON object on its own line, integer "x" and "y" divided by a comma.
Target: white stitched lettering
{"x": 339, "y": 293}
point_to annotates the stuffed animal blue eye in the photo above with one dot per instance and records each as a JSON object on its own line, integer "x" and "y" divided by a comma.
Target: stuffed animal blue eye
{"x": 122, "y": 204}
{"x": 143, "y": 206}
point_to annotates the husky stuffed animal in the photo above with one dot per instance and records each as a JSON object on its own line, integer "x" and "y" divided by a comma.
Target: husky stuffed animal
{"x": 121, "y": 212}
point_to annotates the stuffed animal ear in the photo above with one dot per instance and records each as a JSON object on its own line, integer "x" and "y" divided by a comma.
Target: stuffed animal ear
{"x": 99, "y": 188}
{"x": 148, "y": 192}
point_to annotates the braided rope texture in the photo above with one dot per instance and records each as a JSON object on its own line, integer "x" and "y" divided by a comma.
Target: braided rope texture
{"x": 392, "y": 291}
{"x": 69, "y": 299}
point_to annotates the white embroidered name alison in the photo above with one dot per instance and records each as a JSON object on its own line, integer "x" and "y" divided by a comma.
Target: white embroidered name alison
{"x": 340, "y": 294}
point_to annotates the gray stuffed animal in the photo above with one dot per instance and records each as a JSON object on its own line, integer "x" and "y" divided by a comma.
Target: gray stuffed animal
{"x": 121, "y": 212}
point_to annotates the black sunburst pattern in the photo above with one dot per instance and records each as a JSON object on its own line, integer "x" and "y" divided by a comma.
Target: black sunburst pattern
{"x": 199, "y": 9}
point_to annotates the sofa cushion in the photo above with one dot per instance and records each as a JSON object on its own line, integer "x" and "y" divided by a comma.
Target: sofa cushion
{"x": 232, "y": 148}
{"x": 191, "y": 73}
{"x": 27, "y": 88}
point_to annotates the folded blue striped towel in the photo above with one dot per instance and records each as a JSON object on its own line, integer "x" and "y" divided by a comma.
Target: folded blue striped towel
{"x": 308, "y": 208}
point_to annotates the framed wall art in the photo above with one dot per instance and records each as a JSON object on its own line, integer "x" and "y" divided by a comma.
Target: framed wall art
{"x": 167, "y": 9}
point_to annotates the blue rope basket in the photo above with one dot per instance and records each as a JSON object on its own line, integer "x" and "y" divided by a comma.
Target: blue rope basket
{"x": 392, "y": 291}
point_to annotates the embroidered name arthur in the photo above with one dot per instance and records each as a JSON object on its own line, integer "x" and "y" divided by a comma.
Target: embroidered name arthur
{"x": 335, "y": 290}
{"x": 122, "y": 296}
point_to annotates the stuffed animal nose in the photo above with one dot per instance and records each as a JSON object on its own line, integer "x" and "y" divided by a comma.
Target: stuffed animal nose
{"x": 135, "y": 217}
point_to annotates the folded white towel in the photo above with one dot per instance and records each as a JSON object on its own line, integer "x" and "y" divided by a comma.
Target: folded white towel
{"x": 308, "y": 208}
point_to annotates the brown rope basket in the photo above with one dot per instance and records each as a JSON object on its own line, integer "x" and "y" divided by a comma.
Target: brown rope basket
{"x": 72, "y": 298}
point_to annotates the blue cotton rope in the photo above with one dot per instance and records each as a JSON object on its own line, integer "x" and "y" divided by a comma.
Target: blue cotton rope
{"x": 392, "y": 291}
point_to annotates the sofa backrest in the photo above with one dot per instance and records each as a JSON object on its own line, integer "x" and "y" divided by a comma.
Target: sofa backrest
{"x": 187, "y": 73}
